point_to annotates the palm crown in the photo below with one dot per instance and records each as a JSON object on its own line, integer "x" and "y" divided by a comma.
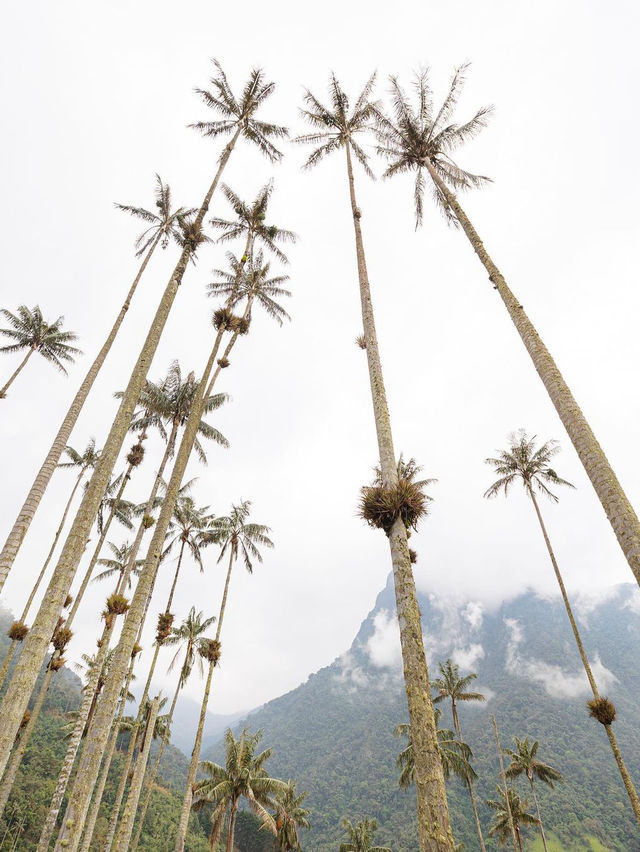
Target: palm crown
{"x": 337, "y": 124}
{"x": 501, "y": 826}
{"x": 28, "y": 330}
{"x": 119, "y": 563}
{"x": 234, "y": 534}
{"x": 523, "y": 759}
{"x": 189, "y": 525}
{"x": 238, "y": 113}
{"x": 361, "y": 836}
{"x": 451, "y": 685}
{"x": 85, "y": 460}
{"x": 522, "y": 461}
{"x": 455, "y": 755}
{"x": 252, "y": 281}
{"x": 164, "y": 222}
{"x": 290, "y": 815}
{"x": 419, "y": 137}
{"x": 190, "y": 636}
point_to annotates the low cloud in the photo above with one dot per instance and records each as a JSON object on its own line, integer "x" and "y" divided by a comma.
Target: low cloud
{"x": 473, "y": 613}
{"x": 351, "y": 674}
{"x": 467, "y": 657}
{"x": 556, "y": 682}
{"x": 383, "y": 646}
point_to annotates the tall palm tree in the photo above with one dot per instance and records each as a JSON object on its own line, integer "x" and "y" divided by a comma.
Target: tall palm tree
{"x": 503, "y": 778}
{"x": 524, "y": 760}
{"x": 451, "y": 685}
{"x": 118, "y": 565}
{"x": 242, "y": 777}
{"x": 21, "y": 525}
{"x": 189, "y": 636}
{"x": 335, "y": 128}
{"x": 189, "y": 527}
{"x": 83, "y": 462}
{"x": 290, "y": 816}
{"x": 29, "y": 331}
{"x": 455, "y": 755}
{"x": 163, "y": 224}
{"x": 361, "y": 836}
{"x": 510, "y": 810}
{"x": 531, "y": 466}
{"x": 422, "y": 139}
{"x": 238, "y": 121}
{"x": 236, "y": 537}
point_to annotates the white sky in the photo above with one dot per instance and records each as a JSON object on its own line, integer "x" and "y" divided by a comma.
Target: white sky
{"x": 95, "y": 101}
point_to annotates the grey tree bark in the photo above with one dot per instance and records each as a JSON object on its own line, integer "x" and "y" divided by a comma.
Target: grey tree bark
{"x": 14, "y": 375}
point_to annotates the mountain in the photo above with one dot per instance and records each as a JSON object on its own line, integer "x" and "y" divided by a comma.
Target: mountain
{"x": 334, "y": 733}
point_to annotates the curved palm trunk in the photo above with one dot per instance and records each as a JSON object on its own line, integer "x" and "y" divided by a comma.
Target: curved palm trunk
{"x": 535, "y": 799}
{"x": 30, "y": 506}
{"x": 14, "y": 375}
{"x": 624, "y": 773}
{"x": 472, "y": 795}
{"x": 232, "y": 826}
{"x": 126, "y": 827}
{"x": 615, "y": 503}
{"x": 12, "y": 647}
{"x": 175, "y": 578}
{"x": 35, "y": 646}
{"x": 515, "y": 831}
{"x": 152, "y": 776}
{"x": 434, "y": 828}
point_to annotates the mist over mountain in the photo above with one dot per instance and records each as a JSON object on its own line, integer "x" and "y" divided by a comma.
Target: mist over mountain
{"x": 334, "y": 733}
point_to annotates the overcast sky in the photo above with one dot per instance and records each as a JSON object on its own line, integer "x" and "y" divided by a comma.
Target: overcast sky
{"x": 96, "y": 99}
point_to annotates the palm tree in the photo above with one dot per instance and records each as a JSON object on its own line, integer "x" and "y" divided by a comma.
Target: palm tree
{"x": 84, "y": 462}
{"x": 422, "y": 138}
{"x": 118, "y": 565}
{"x": 361, "y": 836}
{"x": 510, "y": 810}
{"x": 503, "y": 778}
{"x": 235, "y": 537}
{"x": 29, "y": 331}
{"x": 290, "y": 816}
{"x": 189, "y": 636}
{"x": 164, "y": 224}
{"x": 188, "y": 526}
{"x": 455, "y": 755}
{"x": 524, "y": 760}
{"x": 242, "y": 777}
{"x": 240, "y": 122}
{"x": 30, "y": 506}
{"x": 451, "y": 685}
{"x": 335, "y": 128}
{"x": 531, "y": 466}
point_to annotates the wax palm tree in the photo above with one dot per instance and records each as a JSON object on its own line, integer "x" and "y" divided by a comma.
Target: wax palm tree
{"x": 361, "y": 836}
{"x": 290, "y": 816}
{"x": 241, "y": 122}
{"x": 28, "y": 330}
{"x": 451, "y": 686}
{"x": 189, "y": 527}
{"x": 515, "y": 810}
{"x": 164, "y": 224}
{"x": 455, "y": 755}
{"x": 252, "y": 282}
{"x": 118, "y": 564}
{"x": 336, "y": 128}
{"x": 189, "y": 637}
{"x": 531, "y": 466}
{"x": 423, "y": 139}
{"x": 524, "y": 760}
{"x": 242, "y": 777}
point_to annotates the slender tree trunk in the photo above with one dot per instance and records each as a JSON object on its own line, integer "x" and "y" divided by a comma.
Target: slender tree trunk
{"x": 28, "y": 510}
{"x": 434, "y": 828}
{"x": 535, "y": 799}
{"x": 12, "y": 647}
{"x": 175, "y": 578}
{"x": 232, "y": 826}
{"x": 617, "y": 507}
{"x": 519, "y": 836}
{"x": 515, "y": 833}
{"x": 35, "y": 646}
{"x": 23, "y": 363}
{"x": 152, "y": 776}
{"x": 126, "y": 827}
{"x": 225, "y": 593}
{"x": 472, "y": 795}
{"x": 626, "y": 778}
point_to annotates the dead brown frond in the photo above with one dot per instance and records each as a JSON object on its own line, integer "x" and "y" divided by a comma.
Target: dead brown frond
{"x": 17, "y": 631}
{"x": 61, "y": 638}
{"x": 148, "y": 521}
{"x": 165, "y": 623}
{"x": 136, "y": 454}
{"x": 117, "y": 604}
{"x": 56, "y": 663}
{"x": 602, "y": 710}
{"x": 361, "y": 341}
{"x": 413, "y": 556}
{"x": 25, "y": 719}
{"x": 211, "y": 650}
{"x": 135, "y": 650}
{"x": 223, "y": 363}
{"x": 67, "y": 602}
{"x": 241, "y": 325}
{"x": 381, "y": 506}
{"x": 222, "y": 318}
{"x": 192, "y": 236}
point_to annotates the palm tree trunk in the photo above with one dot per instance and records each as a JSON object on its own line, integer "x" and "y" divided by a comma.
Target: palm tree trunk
{"x": 515, "y": 833}
{"x": 12, "y": 647}
{"x": 626, "y": 778}
{"x": 535, "y": 799}
{"x": 519, "y": 836}
{"x": 232, "y": 826}
{"x": 30, "y": 506}
{"x": 472, "y": 795}
{"x": 35, "y": 646}
{"x": 434, "y": 828}
{"x": 615, "y": 503}
{"x": 175, "y": 578}
{"x": 152, "y": 776}
{"x": 128, "y": 817}
{"x": 23, "y": 363}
